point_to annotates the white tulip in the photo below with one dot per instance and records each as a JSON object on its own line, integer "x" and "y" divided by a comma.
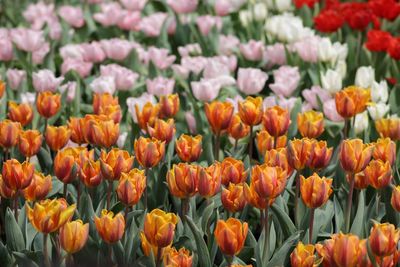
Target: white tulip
{"x": 378, "y": 111}
{"x": 379, "y": 92}
{"x": 280, "y": 5}
{"x": 341, "y": 67}
{"x": 245, "y": 17}
{"x": 103, "y": 84}
{"x": 260, "y": 11}
{"x": 331, "y": 81}
{"x": 365, "y": 76}
{"x": 361, "y": 122}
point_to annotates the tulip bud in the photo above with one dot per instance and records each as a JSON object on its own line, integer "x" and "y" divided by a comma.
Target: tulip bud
{"x": 232, "y": 198}
{"x": 114, "y": 163}
{"x": 75, "y": 125}
{"x": 354, "y": 155}
{"x": 159, "y": 228}
{"x": 48, "y": 215}
{"x": 389, "y": 127}
{"x": 251, "y": 111}
{"x": 383, "y": 239}
{"x": 237, "y": 129}
{"x": 179, "y": 258}
{"x": 89, "y": 173}
{"x": 169, "y": 105}
{"x": 102, "y": 101}
{"x": 230, "y": 236}
{"x": 266, "y": 142}
{"x": 66, "y": 167}
{"x": 395, "y": 200}
{"x": 315, "y": 191}
{"x": 210, "y": 180}
{"x": 5, "y": 191}
{"x": 48, "y": 104}
{"x": 57, "y": 137}
{"x": 269, "y": 182}
{"x": 9, "y": 132}
{"x": 219, "y": 115}
{"x": 22, "y": 113}
{"x": 278, "y": 158}
{"x": 183, "y": 180}
{"x": 299, "y": 152}
{"x": 29, "y": 142}
{"x": 320, "y": 155}
{"x": 232, "y": 171}
{"x": 310, "y": 123}
{"x": 149, "y": 152}
{"x": 110, "y": 228}
{"x": 352, "y": 100}
{"x": 276, "y": 121}
{"x": 147, "y": 115}
{"x": 162, "y": 130}
{"x": 385, "y": 150}
{"x": 39, "y": 187}
{"x": 303, "y": 256}
{"x": 73, "y": 236}
{"x": 16, "y": 175}
{"x": 378, "y": 173}
{"x": 188, "y": 147}
{"x": 131, "y": 187}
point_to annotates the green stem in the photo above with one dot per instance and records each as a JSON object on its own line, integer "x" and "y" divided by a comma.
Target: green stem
{"x": 377, "y": 202}
{"x": 266, "y": 235}
{"x": 296, "y": 199}
{"x": 109, "y": 191}
{"x": 146, "y": 171}
{"x": 312, "y": 212}
{"x": 349, "y": 203}
{"x": 45, "y": 251}
{"x": 217, "y": 145}
{"x": 251, "y": 143}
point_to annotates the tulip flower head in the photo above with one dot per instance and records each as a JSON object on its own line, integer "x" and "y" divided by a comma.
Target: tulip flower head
{"x": 39, "y": 187}
{"x": 22, "y": 113}
{"x": 109, "y": 226}
{"x": 251, "y": 111}
{"x": 149, "y": 151}
{"x": 233, "y": 198}
{"x": 210, "y": 180}
{"x": 232, "y": 171}
{"x": 90, "y": 173}
{"x": 30, "y": 142}
{"x": 378, "y": 173}
{"x": 183, "y": 180}
{"x": 315, "y": 190}
{"x": 73, "y": 236}
{"x": 114, "y": 163}
{"x": 383, "y": 239}
{"x": 303, "y": 256}
{"x": 219, "y": 115}
{"x": 131, "y": 186}
{"x": 320, "y": 155}
{"x": 299, "y": 152}
{"x": 310, "y": 123}
{"x": 147, "y": 115}
{"x": 352, "y": 101}
{"x": 181, "y": 258}
{"x": 266, "y": 142}
{"x": 237, "y": 129}
{"x": 276, "y": 121}
{"x": 159, "y": 228}
{"x": 189, "y": 147}
{"x": 230, "y": 236}
{"x": 354, "y": 155}
{"x": 48, "y": 104}
{"x": 57, "y": 137}
{"x": 17, "y": 175}
{"x": 162, "y": 130}
{"x": 385, "y": 150}
{"x": 169, "y": 105}
{"x": 388, "y": 127}
{"x": 9, "y": 132}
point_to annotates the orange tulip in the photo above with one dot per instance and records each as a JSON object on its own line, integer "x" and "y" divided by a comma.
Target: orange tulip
{"x": 383, "y": 239}
{"x": 105, "y": 133}
{"x": 219, "y": 115}
{"x": 149, "y": 152}
{"x": 210, "y": 180}
{"x": 385, "y": 150}
{"x": 169, "y": 105}
{"x": 266, "y": 142}
{"x": 230, "y": 236}
{"x": 232, "y": 171}
{"x": 351, "y": 101}
{"x": 360, "y": 181}
{"x": 48, "y": 104}
{"x": 49, "y": 215}
{"x": 68, "y": 161}
{"x": 57, "y": 137}
{"x": 110, "y": 228}
{"x": 299, "y": 152}
{"x": 388, "y": 127}
{"x": 77, "y": 135}
{"x": 303, "y": 256}
{"x": 114, "y": 163}
{"x": 378, "y": 173}
{"x": 22, "y": 113}
{"x": 16, "y": 175}
{"x": 320, "y": 155}
{"x": 5, "y": 191}
{"x": 395, "y": 200}
{"x": 254, "y": 199}
{"x": 101, "y": 100}
{"x": 90, "y": 173}
{"x": 183, "y": 180}
{"x": 278, "y": 158}
{"x": 276, "y": 121}
{"x": 162, "y": 130}
{"x": 149, "y": 248}
{"x": 2, "y": 88}
{"x": 237, "y": 129}
{"x": 315, "y": 191}
{"x": 269, "y": 182}
{"x": 178, "y": 258}
{"x": 147, "y": 115}
{"x": 188, "y": 147}
{"x": 233, "y": 198}
{"x": 251, "y": 111}
{"x": 73, "y": 236}
{"x": 112, "y": 112}
{"x": 29, "y": 142}
{"x": 159, "y": 228}
{"x": 39, "y": 187}
{"x": 9, "y": 132}
{"x": 131, "y": 187}
{"x": 310, "y": 123}
{"x": 354, "y": 155}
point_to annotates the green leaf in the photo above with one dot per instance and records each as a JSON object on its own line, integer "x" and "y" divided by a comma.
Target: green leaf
{"x": 14, "y": 237}
{"x": 25, "y": 260}
{"x": 283, "y": 220}
{"x": 119, "y": 253}
{"x": 281, "y": 256}
{"x": 45, "y": 160}
{"x": 5, "y": 257}
{"x": 207, "y": 213}
{"x": 257, "y": 252}
{"x": 358, "y": 222}
{"x": 202, "y": 251}
{"x": 293, "y": 118}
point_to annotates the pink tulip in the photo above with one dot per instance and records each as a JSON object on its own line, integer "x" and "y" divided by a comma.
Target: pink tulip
{"x": 307, "y": 49}
{"x": 215, "y": 69}
{"x": 225, "y": 7}
{"x": 191, "y": 122}
{"x": 93, "y": 52}
{"x": 28, "y": 98}
{"x": 205, "y": 90}
{"x": 81, "y": 67}
{"x": 194, "y": 64}
{"x": 134, "y": 5}
{"x": 6, "y": 49}
{"x": 227, "y": 44}
{"x": 129, "y": 21}
{"x": 160, "y": 86}
{"x": 39, "y": 55}
{"x": 180, "y": 71}
{"x": 124, "y": 78}
{"x": 70, "y": 89}
{"x": 251, "y": 81}
{"x": 152, "y": 24}
{"x": 72, "y": 51}
{"x": 207, "y": 22}
{"x": 286, "y": 80}
{"x": 116, "y": 49}
{"x": 189, "y": 50}
{"x": 331, "y": 112}
{"x": 183, "y": 6}
{"x": 286, "y": 103}
{"x": 160, "y": 57}
{"x": 275, "y": 55}
{"x": 15, "y": 77}
{"x": 142, "y": 53}
{"x": 39, "y": 14}
{"x": 253, "y": 50}
{"x": 316, "y": 92}
{"x": 103, "y": 84}
{"x": 55, "y": 29}
{"x": 140, "y": 101}
{"x": 45, "y": 80}
{"x": 306, "y": 107}
{"x": 27, "y": 40}
{"x": 110, "y": 14}
{"x": 72, "y": 15}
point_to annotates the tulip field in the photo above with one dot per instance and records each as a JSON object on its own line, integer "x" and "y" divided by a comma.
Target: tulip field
{"x": 199, "y": 133}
